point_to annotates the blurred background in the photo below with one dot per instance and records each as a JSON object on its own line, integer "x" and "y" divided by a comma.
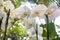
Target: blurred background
{"x": 27, "y": 19}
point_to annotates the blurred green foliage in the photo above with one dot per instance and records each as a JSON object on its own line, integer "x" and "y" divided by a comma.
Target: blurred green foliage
{"x": 17, "y": 3}
{"x": 52, "y": 31}
{"x": 16, "y": 31}
{"x": 46, "y": 2}
{"x": 32, "y": 1}
{"x": 1, "y": 36}
{"x": 58, "y": 2}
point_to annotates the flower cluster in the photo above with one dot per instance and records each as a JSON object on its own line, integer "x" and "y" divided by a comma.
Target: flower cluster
{"x": 28, "y": 14}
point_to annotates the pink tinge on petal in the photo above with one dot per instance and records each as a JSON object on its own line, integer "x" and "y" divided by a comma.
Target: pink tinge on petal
{"x": 52, "y": 7}
{"x": 55, "y": 14}
{"x": 19, "y": 12}
{"x": 41, "y": 9}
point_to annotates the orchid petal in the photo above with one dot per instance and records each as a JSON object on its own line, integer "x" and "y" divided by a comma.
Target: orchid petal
{"x": 9, "y": 5}
{"x": 19, "y": 12}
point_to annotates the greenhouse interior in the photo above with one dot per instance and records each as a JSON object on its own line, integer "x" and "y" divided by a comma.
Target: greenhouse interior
{"x": 29, "y": 19}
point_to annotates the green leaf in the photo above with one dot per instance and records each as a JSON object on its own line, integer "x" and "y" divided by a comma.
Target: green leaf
{"x": 52, "y": 31}
{"x": 17, "y": 3}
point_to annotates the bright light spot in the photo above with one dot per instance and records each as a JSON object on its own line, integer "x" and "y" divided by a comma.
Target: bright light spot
{"x": 57, "y": 21}
{"x": 28, "y": 4}
{"x": 37, "y": 20}
{"x": 57, "y": 25}
{"x": 42, "y": 21}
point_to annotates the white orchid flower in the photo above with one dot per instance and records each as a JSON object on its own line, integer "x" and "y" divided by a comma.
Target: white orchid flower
{"x": 39, "y": 10}
{"x": 37, "y": 24}
{"x": 9, "y": 5}
{"x": 31, "y": 26}
{"x": 31, "y": 31}
{"x": 3, "y": 14}
{"x": 30, "y": 22}
{"x": 37, "y": 20}
{"x": 57, "y": 25}
{"x": 55, "y": 12}
{"x": 50, "y": 11}
{"x": 52, "y": 7}
{"x": 22, "y": 11}
{"x": 54, "y": 15}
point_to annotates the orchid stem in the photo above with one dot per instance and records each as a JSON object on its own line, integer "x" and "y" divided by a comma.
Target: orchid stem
{"x": 47, "y": 26}
{"x": 4, "y": 38}
{"x": 37, "y": 31}
{"x": 1, "y": 22}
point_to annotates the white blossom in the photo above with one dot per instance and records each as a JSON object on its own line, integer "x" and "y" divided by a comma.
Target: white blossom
{"x": 31, "y": 26}
{"x": 31, "y": 31}
{"x": 22, "y": 11}
{"x": 37, "y": 20}
{"x": 3, "y": 14}
{"x": 55, "y": 14}
{"x": 30, "y": 22}
{"x": 52, "y": 7}
{"x": 42, "y": 21}
{"x": 57, "y": 25}
{"x": 39, "y": 10}
{"x": 50, "y": 11}
{"x": 9, "y": 5}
